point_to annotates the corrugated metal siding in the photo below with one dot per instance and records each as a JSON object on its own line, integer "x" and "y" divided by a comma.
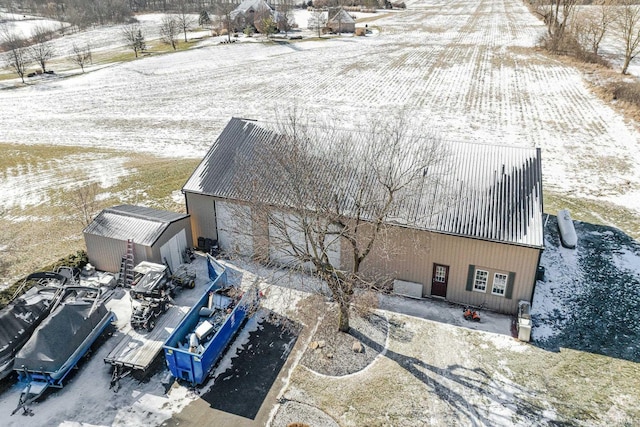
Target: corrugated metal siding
{"x": 203, "y": 216}
{"x": 487, "y": 192}
{"x": 410, "y": 254}
{"x": 172, "y": 230}
{"x": 106, "y": 253}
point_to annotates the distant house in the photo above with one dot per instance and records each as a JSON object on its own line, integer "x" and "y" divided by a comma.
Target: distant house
{"x": 249, "y": 13}
{"x": 339, "y": 21}
{"x": 158, "y": 236}
{"x": 484, "y": 248}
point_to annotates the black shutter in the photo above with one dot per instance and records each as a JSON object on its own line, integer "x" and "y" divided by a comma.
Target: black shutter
{"x": 509, "y": 290}
{"x": 472, "y": 270}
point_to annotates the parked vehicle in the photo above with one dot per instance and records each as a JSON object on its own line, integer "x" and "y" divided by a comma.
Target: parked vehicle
{"x": 151, "y": 280}
{"x": 144, "y": 314}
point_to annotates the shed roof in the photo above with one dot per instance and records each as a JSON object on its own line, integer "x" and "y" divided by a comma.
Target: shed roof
{"x": 495, "y": 192}
{"x": 141, "y": 224}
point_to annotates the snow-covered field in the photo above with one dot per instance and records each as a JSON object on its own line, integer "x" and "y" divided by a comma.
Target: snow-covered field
{"x": 464, "y": 67}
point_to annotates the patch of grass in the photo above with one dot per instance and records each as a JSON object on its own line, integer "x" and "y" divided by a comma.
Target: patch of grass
{"x": 19, "y": 155}
{"x": 579, "y": 385}
{"x": 157, "y": 178}
{"x": 594, "y": 211}
{"x": 38, "y": 235}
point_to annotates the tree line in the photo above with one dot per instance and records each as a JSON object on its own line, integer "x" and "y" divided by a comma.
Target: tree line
{"x": 579, "y": 30}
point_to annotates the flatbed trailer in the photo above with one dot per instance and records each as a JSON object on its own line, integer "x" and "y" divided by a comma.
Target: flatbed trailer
{"x": 138, "y": 349}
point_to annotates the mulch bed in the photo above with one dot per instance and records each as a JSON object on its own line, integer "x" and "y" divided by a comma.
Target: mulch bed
{"x": 332, "y": 352}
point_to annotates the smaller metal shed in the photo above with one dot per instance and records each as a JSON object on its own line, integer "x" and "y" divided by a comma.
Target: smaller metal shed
{"x": 158, "y": 236}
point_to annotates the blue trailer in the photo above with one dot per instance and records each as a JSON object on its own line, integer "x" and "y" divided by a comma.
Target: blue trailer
{"x": 200, "y": 339}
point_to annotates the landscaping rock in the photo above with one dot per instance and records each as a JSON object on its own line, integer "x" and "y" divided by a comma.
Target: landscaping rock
{"x": 313, "y": 345}
{"x": 357, "y": 347}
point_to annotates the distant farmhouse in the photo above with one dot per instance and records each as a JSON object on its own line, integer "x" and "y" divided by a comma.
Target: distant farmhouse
{"x": 484, "y": 248}
{"x": 336, "y": 20}
{"x": 248, "y": 12}
{"x": 339, "y": 21}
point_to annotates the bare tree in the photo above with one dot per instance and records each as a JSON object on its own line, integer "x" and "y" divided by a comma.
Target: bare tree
{"x": 169, "y": 28}
{"x": 225, "y": 9}
{"x": 555, "y": 14}
{"x": 134, "y": 38}
{"x": 318, "y": 21}
{"x": 590, "y": 25}
{"x": 16, "y": 51}
{"x": 315, "y": 189}
{"x": 285, "y": 16}
{"x": 81, "y": 55}
{"x": 184, "y": 19}
{"x": 41, "y": 50}
{"x": 627, "y": 23}
{"x": 83, "y": 203}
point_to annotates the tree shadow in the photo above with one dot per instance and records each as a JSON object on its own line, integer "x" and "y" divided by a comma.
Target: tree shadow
{"x": 598, "y": 313}
{"x": 455, "y": 384}
{"x": 243, "y": 387}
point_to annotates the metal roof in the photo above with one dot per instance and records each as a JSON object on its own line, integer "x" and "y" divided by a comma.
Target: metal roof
{"x": 141, "y": 224}
{"x": 486, "y": 192}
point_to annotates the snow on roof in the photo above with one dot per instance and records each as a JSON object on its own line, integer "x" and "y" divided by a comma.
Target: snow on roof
{"x": 143, "y": 225}
{"x": 341, "y": 16}
{"x": 256, "y": 5}
{"x": 490, "y": 192}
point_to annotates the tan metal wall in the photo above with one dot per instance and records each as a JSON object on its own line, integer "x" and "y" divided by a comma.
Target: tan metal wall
{"x": 106, "y": 253}
{"x": 173, "y": 229}
{"x": 203, "y": 216}
{"x": 410, "y": 254}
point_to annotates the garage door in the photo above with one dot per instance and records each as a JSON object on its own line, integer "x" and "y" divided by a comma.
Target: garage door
{"x": 234, "y": 228}
{"x": 171, "y": 252}
{"x": 283, "y": 244}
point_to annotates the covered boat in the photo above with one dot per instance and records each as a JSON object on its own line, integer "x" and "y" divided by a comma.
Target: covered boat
{"x": 24, "y": 313}
{"x": 64, "y": 336}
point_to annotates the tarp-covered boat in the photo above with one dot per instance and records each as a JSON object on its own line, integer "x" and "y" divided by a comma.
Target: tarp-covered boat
{"x": 70, "y": 329}
{"x": 22, "y": 316}
{"x": 61, "y": 340}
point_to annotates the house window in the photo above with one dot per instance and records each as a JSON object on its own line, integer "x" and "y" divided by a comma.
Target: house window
{"x": 499, "y": 284}
{"x": 480, "y": 282}
{"x": 441, "y": 274}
